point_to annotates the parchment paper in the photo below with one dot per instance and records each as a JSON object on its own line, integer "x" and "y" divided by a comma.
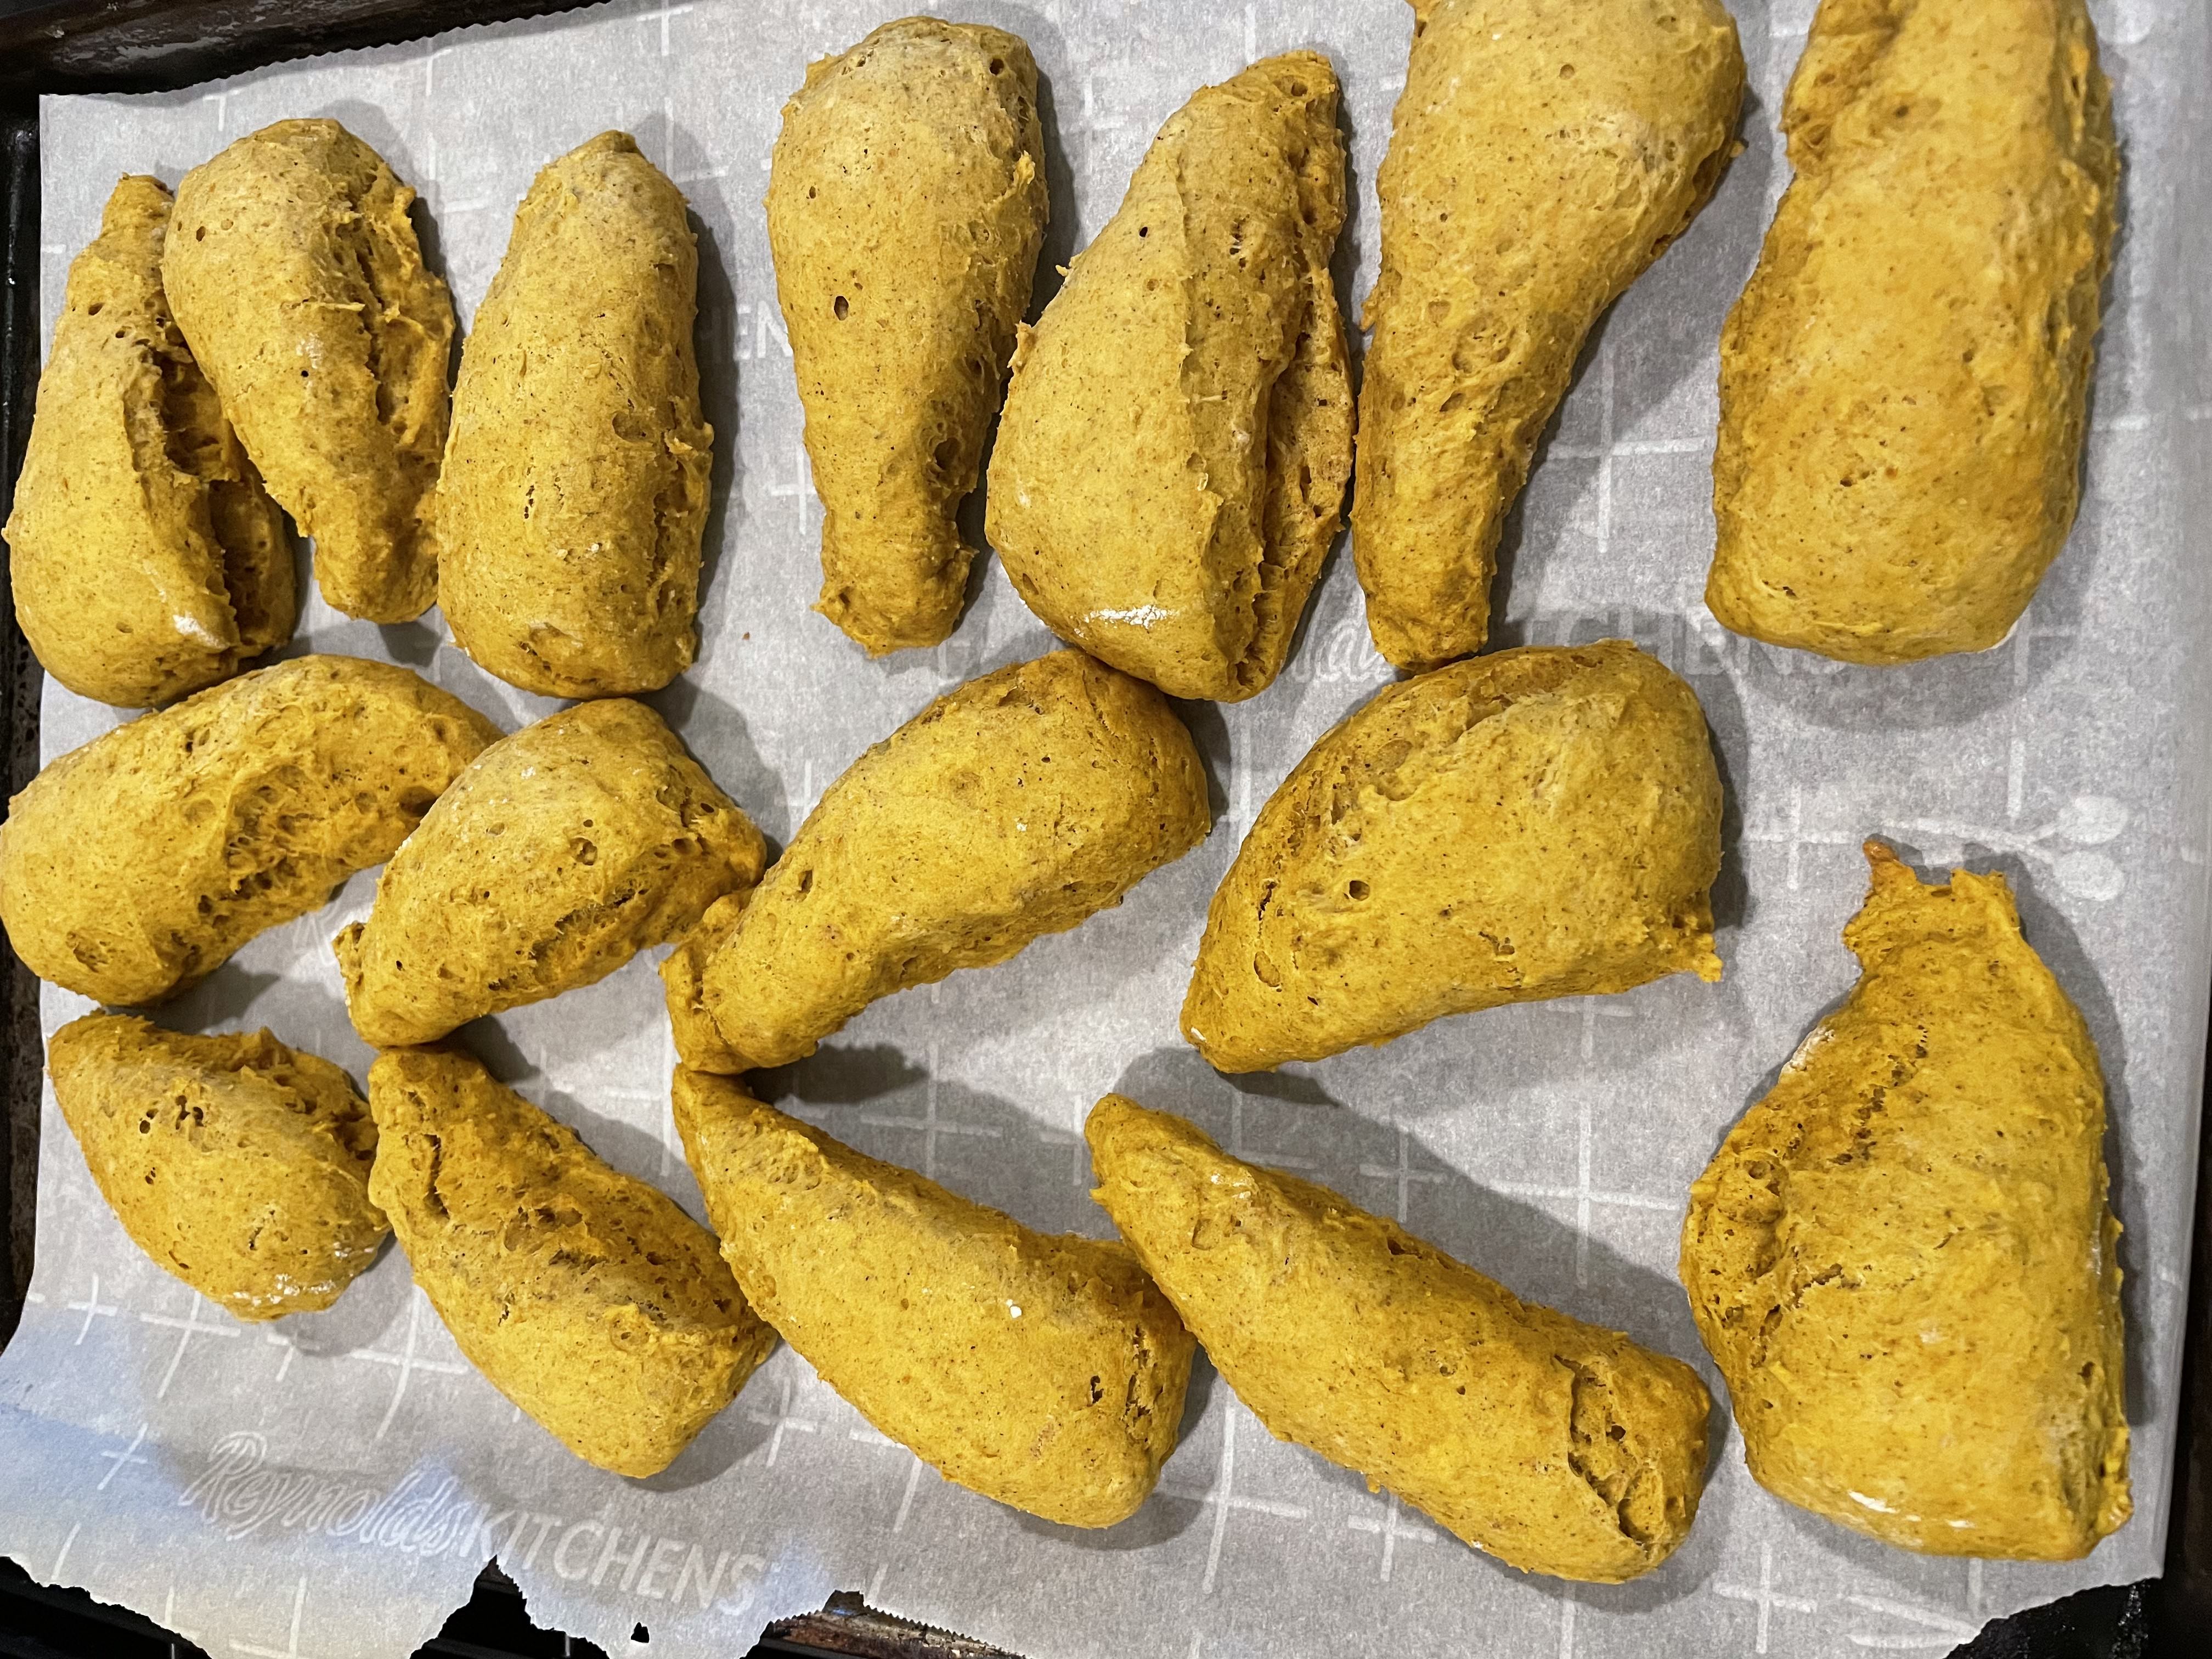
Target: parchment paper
{"x": 328, "y": 1486}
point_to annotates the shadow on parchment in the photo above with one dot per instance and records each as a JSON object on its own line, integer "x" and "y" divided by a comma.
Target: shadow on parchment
{"x": 732, "y": 1435}
{"x": 717, "y": 734}
{"x": 1659, "y": 331}
{"x": 372, "y": 1307}
{"x": 883, "y": 1102}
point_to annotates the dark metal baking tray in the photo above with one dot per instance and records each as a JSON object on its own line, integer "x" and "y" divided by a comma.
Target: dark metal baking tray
{"x": 143, "y": 45}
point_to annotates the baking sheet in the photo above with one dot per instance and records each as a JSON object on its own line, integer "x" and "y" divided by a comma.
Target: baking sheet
{"x": 328, "y": 1486}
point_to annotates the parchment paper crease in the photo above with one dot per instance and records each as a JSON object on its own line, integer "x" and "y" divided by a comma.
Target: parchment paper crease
{"x": 329, "y": 1486}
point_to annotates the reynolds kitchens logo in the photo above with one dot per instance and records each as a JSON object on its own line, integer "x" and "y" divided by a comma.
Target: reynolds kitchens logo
{"x": 238, "y": 1495}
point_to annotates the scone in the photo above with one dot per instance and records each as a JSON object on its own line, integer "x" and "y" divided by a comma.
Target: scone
{"x": 1557, "y": 1447}
{"x": 1539, "y": 823}
{"x": 132, "y": 868}
{"x": 1170, "y": 467}
{"x": 1902, "y": 1258}
{"x": 1903, "y": 382}
{"x": 1541, "y": 156}
{"x": 1011, "y": 807}
{"x": 574, "y": 488}
{"x": 558, "y": 855}
{"x": 698, "y": 1040}
{"x": 293, "y": 271}
{"x": 147, "y": 559}
{"x": 1044, "y": 1372}
{"x": 582, "y": 1294}
{"x": 906, "y": 205}
{"x": 238, "y": 1165}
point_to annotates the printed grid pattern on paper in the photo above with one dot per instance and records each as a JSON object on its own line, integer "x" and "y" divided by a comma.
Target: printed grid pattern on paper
{"x": 328, "y": 1486}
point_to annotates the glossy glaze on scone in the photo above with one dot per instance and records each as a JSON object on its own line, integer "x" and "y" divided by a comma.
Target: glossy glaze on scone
{"x": 293, "y": 268}
{"x": 238, "y": 1165}
{"x": 1170, "y": 467}
{"x": 1539, "y": 823}
{"x": 1013, "y": 806}
{"x": 133, "y": 867}
{"x": 1043, "y": 1370}
{"x": 1904, "y": 382}
{"x": 574, "y": 494}
{"x": 583, "y": 1295}
{"x": 1557, "y": 1447}
{"x": 559, "y": 854}
{"x": 1542, "y": 154}
{"x": 147, "y": 559}
{"x": 906, "y": 207}
{"x": 1903, "y": 1257}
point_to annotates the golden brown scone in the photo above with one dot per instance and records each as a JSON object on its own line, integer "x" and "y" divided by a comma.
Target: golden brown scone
{"x": 1541, "y": 822}
{"x": 683, "y": 981}
{"x": 132, "y": 868}
{"x": 1043, "y": 1371}
{"x": 1011, "y": 807}
{"x": 574, "y": 488}
{"x": 1559, "y": 1447}
{"x": 1902, "y": 1258}
{"x": 1903, "y": 382}
{"x": 238, "y": 1165}
{"x": 293, "y": 271}
{"x": 906, "y": 205}
{"x": 1170, "y": 467}
{"x": 559, "y": 854}
{"x": 1543, "y": 154}
{"x": 147, "y": 561}
{"x": 582, "y": 1294}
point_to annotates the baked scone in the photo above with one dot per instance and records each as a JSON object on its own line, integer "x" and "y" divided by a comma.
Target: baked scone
{"x": 583, "y": 1295}
{"x": 1011, "y": 807}
{"x": 1903, "y": 381}
{"x": 1559, "y": 1447}
{"x": 238, "y": 1165}
{"x": 1170, "y": 466}
{"x": 1539, "y": 823}
{"x": 1902, "y": 1258}
{"x": 699, "y": 1042}
{"x": 147, "y": 559}
{"x": 293, "y": 268}
{"x": 1541, "y": 156}
{"x": 906, "y": 206}
{"x": 573, "y": 493}
{"x": 559, "y": 854}
{"x": 1043, "y": 1371}
{"x": 132, "y": 868}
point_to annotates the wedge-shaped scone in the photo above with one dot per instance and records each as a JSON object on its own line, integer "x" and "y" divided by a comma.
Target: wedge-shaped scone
{"x": 1541, "y": 822}
{"x": 583, "y": 1295}
{"x": 699, "y": 1041}
{"x": 1559, "y": 1447}
{"x": 1011, "y": 807}
{"x": 1043, "y": 1371}
{"x": 1170, "y": 467}
{"x": 574, "y": 488}
{"x": 238, "y": 1165}
{"x": 295, "y": 273}
{"x": 1903, "y": 381}
{"x": 1902, "y": 1258}
{"x": 906, "y": 205}
{"x": 558, "y": 855}
{"x": 147, "y": 559}
{"x": 1543, "y": 154}
{"x": 132, "y": 868}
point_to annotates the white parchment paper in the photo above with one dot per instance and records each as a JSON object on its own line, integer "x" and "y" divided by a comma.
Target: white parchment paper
{"x": 328, "y": 1486}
